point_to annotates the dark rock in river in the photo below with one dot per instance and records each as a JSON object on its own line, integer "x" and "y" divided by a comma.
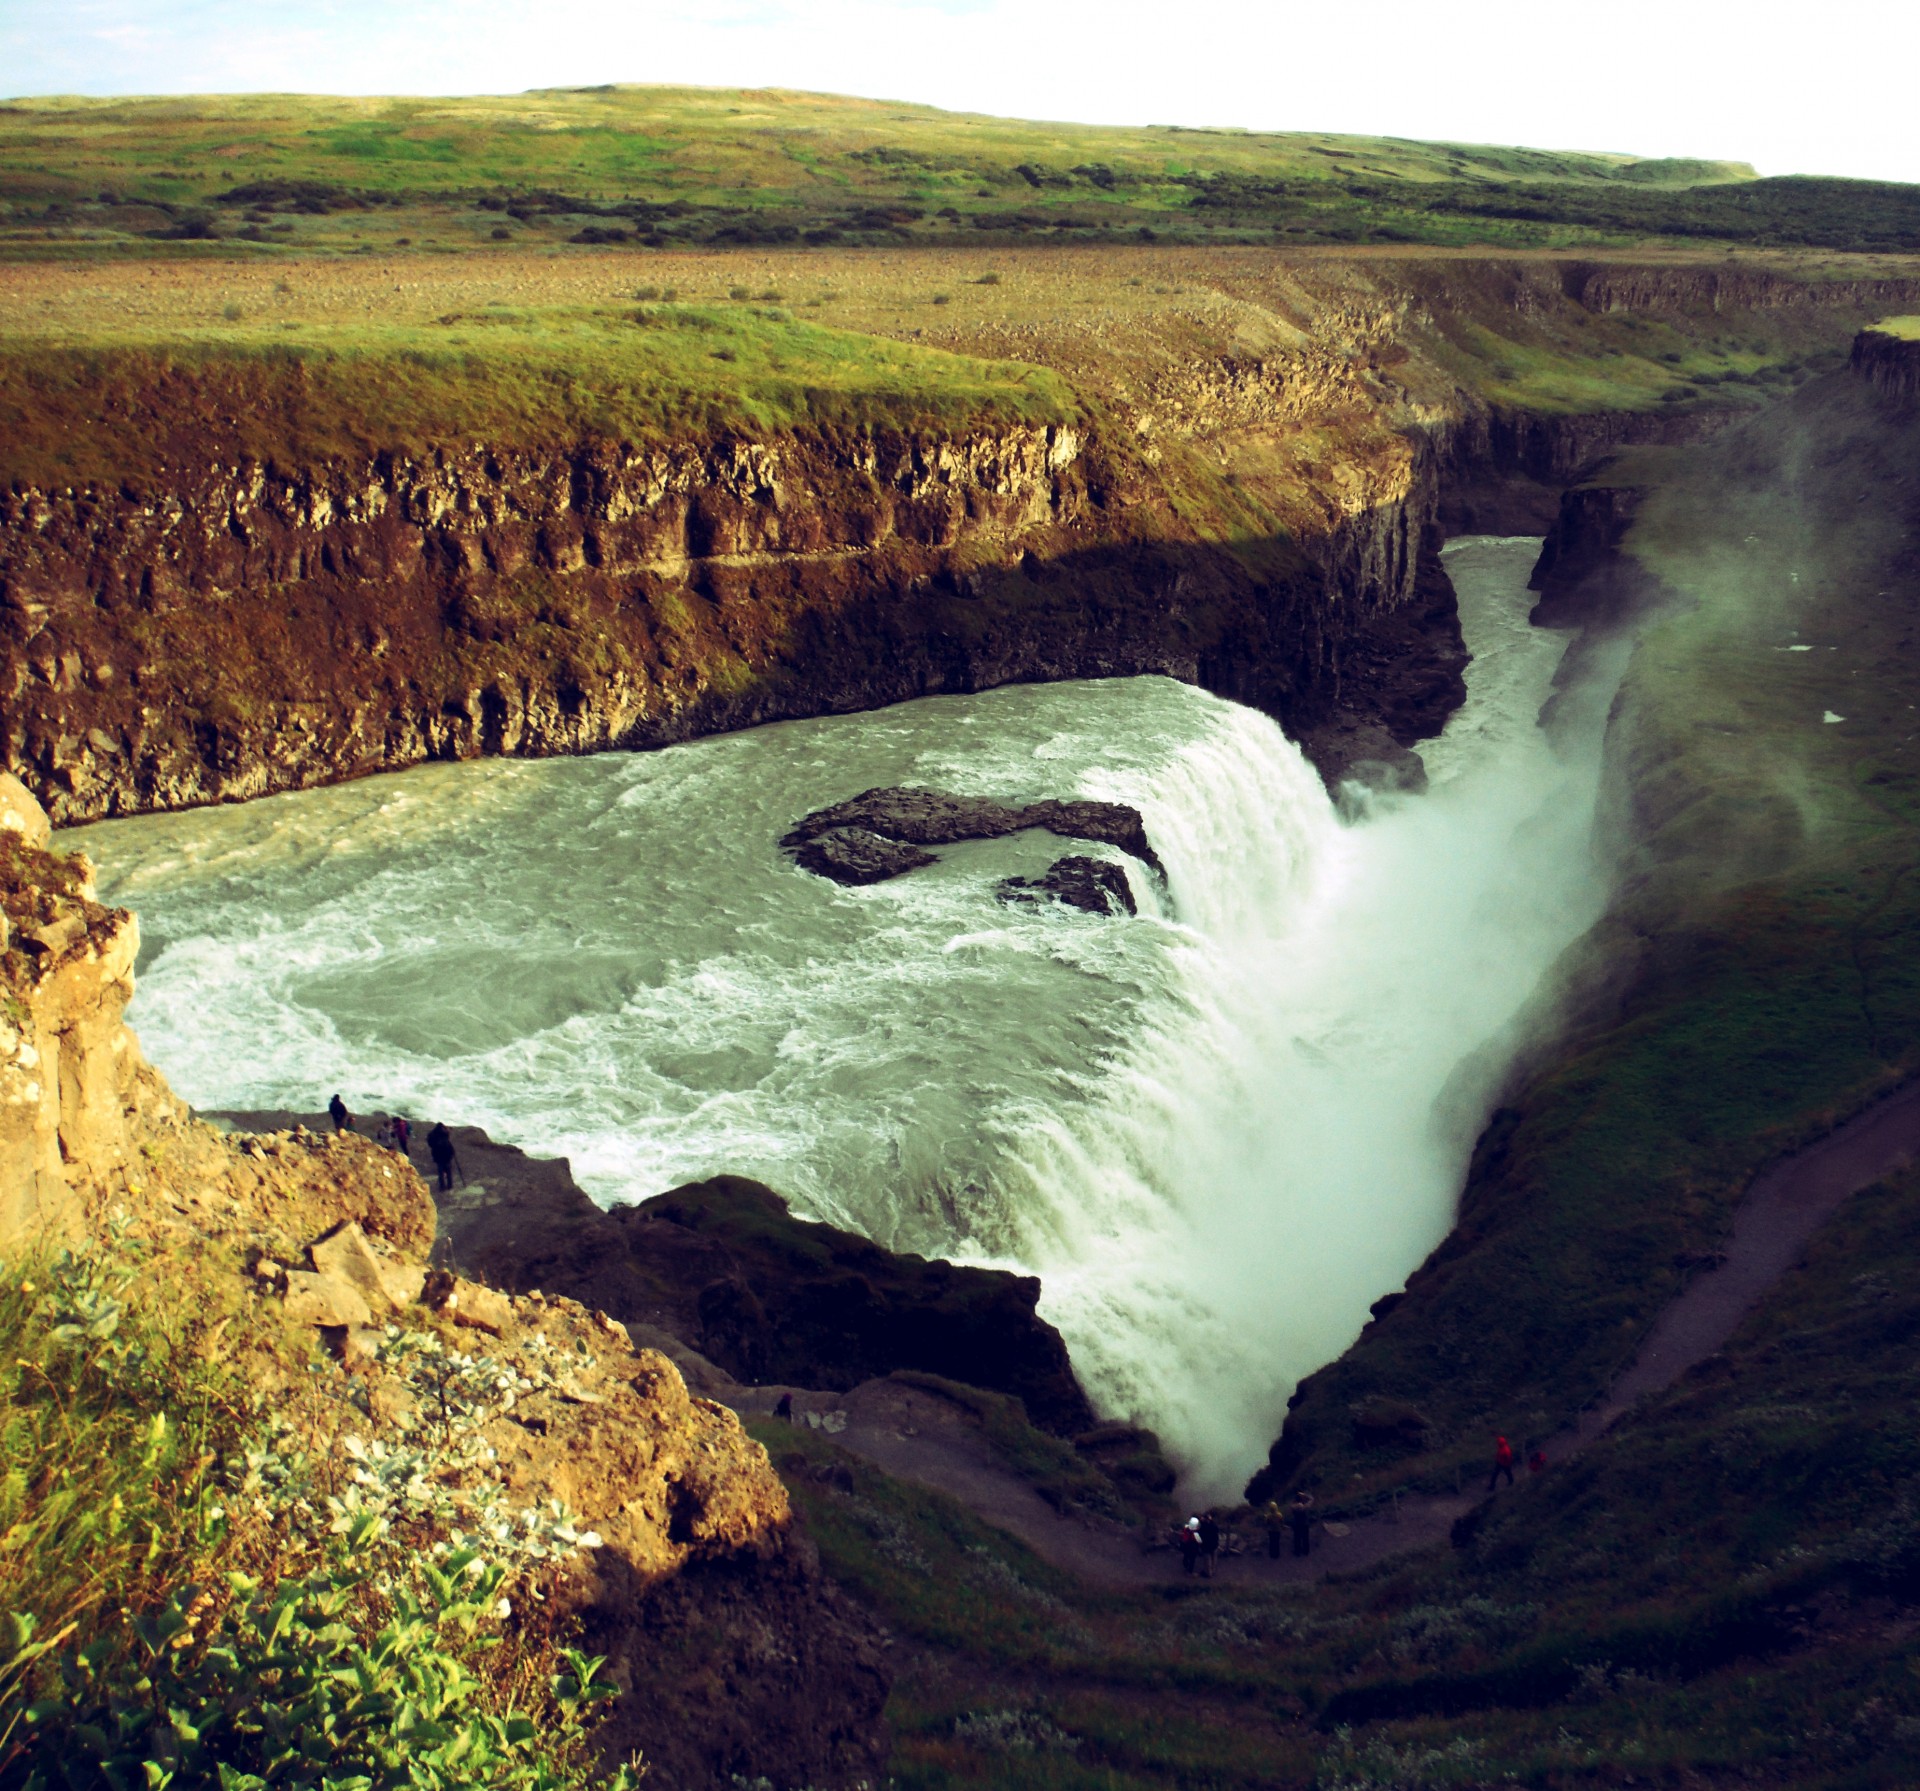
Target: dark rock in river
{"x": 1095, "y": 884}
{"x": 854, "y": 855}
{"x": 844, "y": 842}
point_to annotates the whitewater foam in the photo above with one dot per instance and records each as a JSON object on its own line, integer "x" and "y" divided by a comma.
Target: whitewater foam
{"x": 1217, "y": 1131}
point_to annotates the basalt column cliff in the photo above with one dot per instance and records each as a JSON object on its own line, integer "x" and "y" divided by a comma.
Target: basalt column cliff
{"x": 1255, "y": 507}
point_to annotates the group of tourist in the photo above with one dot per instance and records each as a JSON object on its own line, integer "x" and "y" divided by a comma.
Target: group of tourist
{"x": 1200, "y": 1537}
{"x": 396, "y": 1134}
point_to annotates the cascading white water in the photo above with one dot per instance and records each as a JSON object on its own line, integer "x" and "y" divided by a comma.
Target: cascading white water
{"x": 1217, "y": 1132}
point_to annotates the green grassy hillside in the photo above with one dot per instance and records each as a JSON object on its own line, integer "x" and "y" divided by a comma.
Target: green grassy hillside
{"x": 675, "y": 166}
{"x": 114, "y": 404}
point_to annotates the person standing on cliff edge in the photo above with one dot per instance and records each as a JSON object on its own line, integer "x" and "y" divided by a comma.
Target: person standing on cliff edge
{"x": 440, "y": 1148}
{"x": 1300, "y": 1521}
{"x": 342, "y": 1119}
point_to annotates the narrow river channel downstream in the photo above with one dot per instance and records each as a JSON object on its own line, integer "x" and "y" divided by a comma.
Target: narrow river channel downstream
{"x": 1217, "y": 1132}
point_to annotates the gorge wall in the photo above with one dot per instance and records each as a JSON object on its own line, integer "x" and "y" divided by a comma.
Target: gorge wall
{"x": 1889, "y": 362}
{"x": 265, "y": 629}
{"x": 241, "y": 626}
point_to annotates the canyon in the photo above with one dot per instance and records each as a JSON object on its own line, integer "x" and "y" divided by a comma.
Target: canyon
{"x": 211, "y": 618}
{"x": 1252, "y": 500}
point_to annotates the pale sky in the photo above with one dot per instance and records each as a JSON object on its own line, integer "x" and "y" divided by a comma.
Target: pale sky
{"x": 1808, "y": 90}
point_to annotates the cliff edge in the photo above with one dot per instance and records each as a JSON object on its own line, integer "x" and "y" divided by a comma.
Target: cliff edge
{"x": 731, "y": 1651}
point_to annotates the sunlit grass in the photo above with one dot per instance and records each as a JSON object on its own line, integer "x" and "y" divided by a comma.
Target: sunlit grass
{"x": 92, "y": 402}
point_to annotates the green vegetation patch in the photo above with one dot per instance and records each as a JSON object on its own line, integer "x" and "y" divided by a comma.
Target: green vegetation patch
{"x": 190, "y": 1595}
{"x": 114, "y": 404}
{"x": 659, "y": 167}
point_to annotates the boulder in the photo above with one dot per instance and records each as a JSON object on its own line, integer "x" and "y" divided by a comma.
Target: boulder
{"x": 468, "y": 1303}
{"x": 387, "y": 1284}
{"x": 326, "y": 1300}
{"x": 1095, "y": 884}
{"x": 21, "y": 813}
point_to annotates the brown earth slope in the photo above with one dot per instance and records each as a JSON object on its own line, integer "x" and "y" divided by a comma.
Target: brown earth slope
{"x": 734, "y": 1654}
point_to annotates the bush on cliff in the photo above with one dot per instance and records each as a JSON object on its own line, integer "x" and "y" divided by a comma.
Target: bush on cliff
{"x": 188, "y": 1600}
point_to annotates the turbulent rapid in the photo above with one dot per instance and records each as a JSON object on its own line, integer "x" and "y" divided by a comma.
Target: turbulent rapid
{"x": 1217, "y": 1131}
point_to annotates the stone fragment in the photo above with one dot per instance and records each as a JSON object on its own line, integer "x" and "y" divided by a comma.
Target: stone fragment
{"x": 324, "y": 1300}
{"x": 467, "y": 1303}
{"x": 384, "y": 1283}
{"x": 57, "y": 937}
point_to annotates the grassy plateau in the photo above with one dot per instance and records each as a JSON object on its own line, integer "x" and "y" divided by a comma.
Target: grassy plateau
{"x": 672, "y": 167}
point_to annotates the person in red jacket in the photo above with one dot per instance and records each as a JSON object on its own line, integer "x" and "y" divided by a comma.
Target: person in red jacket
{"x": 1502, "y": 1462}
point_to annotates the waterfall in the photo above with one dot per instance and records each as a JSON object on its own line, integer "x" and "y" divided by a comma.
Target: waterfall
{"x": 1217, "y": 1131}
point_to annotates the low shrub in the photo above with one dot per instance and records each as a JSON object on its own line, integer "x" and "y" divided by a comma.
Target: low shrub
{"x": 188, "y": 1599}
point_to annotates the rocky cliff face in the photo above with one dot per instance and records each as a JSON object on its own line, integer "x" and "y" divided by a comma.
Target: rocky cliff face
{"x": 738, "y": 1655}
{"x": 1618, "y": 287}
{"x": 1504, "y": 471}
{"x": 260, "y": 629}
{"x": 1888, "y": 363}
{"x": 243, "y": 626}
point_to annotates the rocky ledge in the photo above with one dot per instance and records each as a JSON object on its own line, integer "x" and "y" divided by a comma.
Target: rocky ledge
{"x": 720, "y": 1276}
{"x": 884, "y": 833}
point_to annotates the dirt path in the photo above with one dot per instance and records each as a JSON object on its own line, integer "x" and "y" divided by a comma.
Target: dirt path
{"x": 1771, "y": 1229}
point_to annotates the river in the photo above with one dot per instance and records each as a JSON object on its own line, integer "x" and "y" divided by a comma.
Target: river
{"x": 1217, "y": 1131}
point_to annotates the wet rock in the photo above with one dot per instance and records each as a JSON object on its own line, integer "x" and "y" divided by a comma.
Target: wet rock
{"x": 1095, "y": 884}
{"x": 913, "y": 818}
{"x": 753, "y": 1293}
{"x": 853, "y": 855}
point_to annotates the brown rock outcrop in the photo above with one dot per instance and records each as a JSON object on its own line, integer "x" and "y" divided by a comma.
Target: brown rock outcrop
{"x": 250, "y": 630}
{"x": 1888, "y": 363}
{"x": 740, "y": 1654}
{"x": 68, "y": 1067}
